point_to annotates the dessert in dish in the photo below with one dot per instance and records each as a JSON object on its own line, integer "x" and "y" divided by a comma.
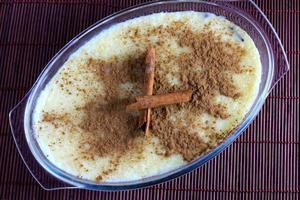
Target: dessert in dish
{"x": 81, "y": 121}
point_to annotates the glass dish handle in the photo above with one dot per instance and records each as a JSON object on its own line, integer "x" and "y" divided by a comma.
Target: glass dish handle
{"x": 16, "y": 121}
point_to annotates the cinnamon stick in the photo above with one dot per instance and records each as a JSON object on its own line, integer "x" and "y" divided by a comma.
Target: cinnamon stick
{"x": 145, "y": 115}
{"x": 152, "y": 101}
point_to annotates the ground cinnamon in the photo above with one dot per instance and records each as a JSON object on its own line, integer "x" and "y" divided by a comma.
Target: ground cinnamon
{"x": 153, "y": 101}
{"x": 206, "y": 69}
{"x": 110, "y": 128}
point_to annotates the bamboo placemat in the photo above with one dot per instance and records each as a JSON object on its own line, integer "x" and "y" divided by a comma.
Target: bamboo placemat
{"x": 262, "y": 164}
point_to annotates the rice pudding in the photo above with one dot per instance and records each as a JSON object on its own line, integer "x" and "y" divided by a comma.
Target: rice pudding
{"x": 80, "y": 120}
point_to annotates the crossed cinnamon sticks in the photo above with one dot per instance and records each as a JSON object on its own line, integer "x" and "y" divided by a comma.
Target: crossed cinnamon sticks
{"x": 148, "y": 101}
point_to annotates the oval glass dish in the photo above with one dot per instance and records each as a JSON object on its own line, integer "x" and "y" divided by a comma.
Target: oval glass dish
{"x": 274, "y": 66}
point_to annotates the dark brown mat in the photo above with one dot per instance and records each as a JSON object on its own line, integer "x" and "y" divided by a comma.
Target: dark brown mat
{"x": 262, "y": 164}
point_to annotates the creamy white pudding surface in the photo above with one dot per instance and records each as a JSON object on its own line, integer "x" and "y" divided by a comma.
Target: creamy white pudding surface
{"x": 80, "y": 120}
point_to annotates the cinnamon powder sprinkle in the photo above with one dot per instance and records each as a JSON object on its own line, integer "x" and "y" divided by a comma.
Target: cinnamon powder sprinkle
{"x": 56, "y": 119}
{"x": 206, "y": 69}
{"x": 216, "y": 60}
